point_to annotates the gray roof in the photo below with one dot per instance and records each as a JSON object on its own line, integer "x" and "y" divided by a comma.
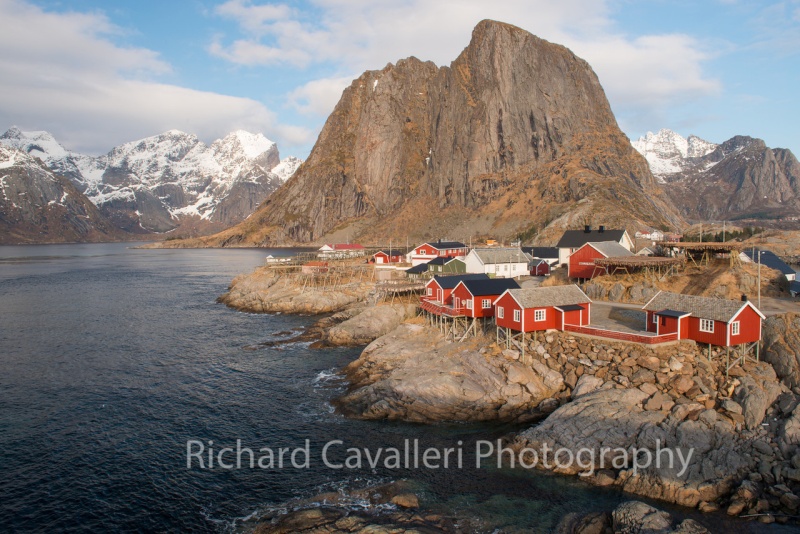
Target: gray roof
{"x": 542, "y": 297}
{"x": 502, "y": 255}
{"x": 578, "y": 238}
{"x": 611, "y": 249}
{"x": 769, "y": 259}
{"x": 542, "y": 252}
{"x": 702, "y": 307}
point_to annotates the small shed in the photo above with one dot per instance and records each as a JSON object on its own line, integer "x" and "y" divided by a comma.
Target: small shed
{"x": 714, "y": 321}
{"x": 314, "y": 267}
{"x": 392, "y": 256}
{"x": 539, "y": 267}
{"x": 542, "y": 308}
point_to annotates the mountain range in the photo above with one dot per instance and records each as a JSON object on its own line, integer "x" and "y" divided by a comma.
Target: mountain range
{"x": 515, "y": 137}
{"x": 37, "y": 205}
{"x": 740, "y": 179}
{"x": 168, "y": 181}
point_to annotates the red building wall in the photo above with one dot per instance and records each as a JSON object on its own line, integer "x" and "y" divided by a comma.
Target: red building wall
{"x": 749, "y": 327}
{"x": 718, "y": 337}
{"x": 581, "y": 262}
{"x": 541, "y": 269}
{"x": 461, "y": 293}
{"x": 552, "y": 319}
{"x": 507, "y": 321}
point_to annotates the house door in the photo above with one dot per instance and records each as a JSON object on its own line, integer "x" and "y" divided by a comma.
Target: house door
{"x": 439, "y": 295}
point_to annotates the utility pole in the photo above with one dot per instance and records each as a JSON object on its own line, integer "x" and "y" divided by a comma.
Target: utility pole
{"x": 759, "y": 279}
{"x": 723, "y": 231}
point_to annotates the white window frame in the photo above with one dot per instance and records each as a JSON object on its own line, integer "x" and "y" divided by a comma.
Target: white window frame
{"x": 486, "y": 304}
{"x": 517, "y": 316}
{"x": 430, "y": 291}
{"x": 655, "y": 319}
{"x": 469, "y": 304}
{"x": 735, "y": 328}
{"x": 539, "y": 315}
{"x": 704, "y": 326}
{"x": 501, "y": 313}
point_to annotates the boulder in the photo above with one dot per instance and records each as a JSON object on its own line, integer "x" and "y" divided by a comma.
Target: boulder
{"x": 370, "y": 324}
{"x": 586, "y": 384}
{"x": 755, "y": 396}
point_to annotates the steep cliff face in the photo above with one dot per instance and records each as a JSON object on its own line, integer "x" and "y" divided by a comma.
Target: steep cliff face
{"x": 37, "y": 206}
{"x": 515, "y": 134}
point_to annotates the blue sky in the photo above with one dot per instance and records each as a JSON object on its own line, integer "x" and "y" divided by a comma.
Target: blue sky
{"x": 98, "y": 73}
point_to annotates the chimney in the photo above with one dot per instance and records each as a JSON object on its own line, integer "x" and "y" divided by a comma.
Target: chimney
{"x": 744, "y": 298}
{"x": 587, "y": 229}
{"x": 601, "y": 229}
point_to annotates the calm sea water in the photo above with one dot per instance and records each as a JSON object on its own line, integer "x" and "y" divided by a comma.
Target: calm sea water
{"x": 111, "y": 359}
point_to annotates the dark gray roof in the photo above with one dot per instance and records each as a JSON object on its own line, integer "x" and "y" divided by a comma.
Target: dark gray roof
{"x": 672, "y": 313}
{"x": 542, "y": 252}
{"x": 578, "y": 238}
{"x": 441, "y": 245}
{"x": 611, "y": 249}
{"x": 441, "y": 260}
{"x": 544, "y": 297}
{"x": 449, "y": 282}
{"x": 702, "y": 307}
{"x": 570, "y": 307}
{"x": 492, "y": 286}
{"x": 769, "y": 259}
{"x": 418, "y": 269}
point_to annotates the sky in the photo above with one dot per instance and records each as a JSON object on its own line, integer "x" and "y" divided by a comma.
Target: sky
{"x": 98, "y": 73}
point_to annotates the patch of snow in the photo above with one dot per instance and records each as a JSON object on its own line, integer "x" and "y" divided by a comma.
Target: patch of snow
{"x": 374, "y": 85}
{"x": 667, "y": 152}
{"x": 287, "y": 167}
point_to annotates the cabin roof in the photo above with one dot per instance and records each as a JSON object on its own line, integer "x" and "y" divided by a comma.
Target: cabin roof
{"x": 578, "y": 238}
{"x": 702, "y": 307}
{"x": 545, "y": 297}
{"x": 490, "y": 286}
{"x": 441, "y": 245}
{"x": 610, "y": 249}
{"x": 769, "y": 259}
{"x": 449, "y": 282}
{"x": 496, "y": 255}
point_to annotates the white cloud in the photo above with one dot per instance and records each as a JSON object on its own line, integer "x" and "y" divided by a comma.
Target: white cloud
{"x": 61, "y": 72}
{"x": 319, "y": 97}
{"x": 642, "y": 75}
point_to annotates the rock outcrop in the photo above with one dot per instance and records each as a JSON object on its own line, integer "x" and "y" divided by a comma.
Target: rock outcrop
{"x": 782, "y": 346}
{"x": 372, "y": 323}
{"x": 413, "y": 374}
{"x": 267, "y": 291}
{"x": 515, "y": 133}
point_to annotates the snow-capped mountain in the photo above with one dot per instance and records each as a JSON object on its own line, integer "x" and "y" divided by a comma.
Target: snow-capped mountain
{"x": 668, "y": 153}
{"x": 165, "y": 181}
{"x": 741, "y": 178}
{"x": 38, "y": 206}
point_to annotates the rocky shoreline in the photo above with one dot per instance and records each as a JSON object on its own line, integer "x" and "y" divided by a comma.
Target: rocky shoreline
{"x": 585, "y": 394}
{"x": 396, "y": 508}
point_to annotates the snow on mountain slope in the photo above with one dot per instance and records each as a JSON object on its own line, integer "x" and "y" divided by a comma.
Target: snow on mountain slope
{"x": 153, "y": 183}
{"x": 38, "y": 206}
{"x": 667, "y": 152}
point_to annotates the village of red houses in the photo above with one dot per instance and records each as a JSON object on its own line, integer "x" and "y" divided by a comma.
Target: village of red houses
{"x": 465, "y": 291}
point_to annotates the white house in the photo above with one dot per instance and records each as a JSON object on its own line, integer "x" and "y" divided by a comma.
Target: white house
{"x": 504, "y": 262}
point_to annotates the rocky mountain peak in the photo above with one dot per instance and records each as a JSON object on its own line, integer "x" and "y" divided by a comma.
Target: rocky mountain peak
{"x": 516, "y": 132}
{"x": 666, "y": 151}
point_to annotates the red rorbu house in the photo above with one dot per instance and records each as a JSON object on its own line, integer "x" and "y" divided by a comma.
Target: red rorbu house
{"x": 581, "y": 262}
{"x": 708, "y": 320}
{"x": 542, "y": 308}
{"x": 387, "y": 257}
{"x": 475, "y": 298}
{"x": 440, "y": 288}
{"x": 540, "y": 267}
{"x": 438, "y": 249}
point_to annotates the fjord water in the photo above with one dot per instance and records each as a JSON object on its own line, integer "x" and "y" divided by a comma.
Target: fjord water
{"x": 112, "y": 358}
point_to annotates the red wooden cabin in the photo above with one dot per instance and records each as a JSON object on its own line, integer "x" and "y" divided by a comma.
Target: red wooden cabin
{"x": 385, "y": 257}
{"x": 475, "y": 298}
{"x": 581, "y": 262}
{"x": 440, "y": 288}
{"x": 542, "y": 308}
{"x": 708, "y": 320}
